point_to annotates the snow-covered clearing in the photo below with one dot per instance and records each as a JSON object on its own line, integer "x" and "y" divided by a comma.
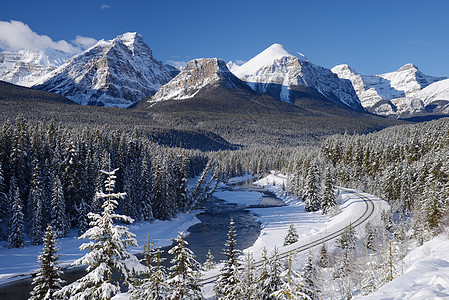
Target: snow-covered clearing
{"x": 23, "y": 261}
{"x": 427, "y": 275}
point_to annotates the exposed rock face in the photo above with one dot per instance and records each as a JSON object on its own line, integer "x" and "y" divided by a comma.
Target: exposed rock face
{"x": 399, "y": 94}
{"x": 25, "y": 67}
{"x": 118, "y": 72}
{"x": 280, "y": 73}
{"x": 196, "y": 75}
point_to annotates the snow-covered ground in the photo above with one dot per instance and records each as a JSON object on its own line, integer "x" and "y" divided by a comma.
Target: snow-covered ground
{"x": 23, "y": 261}
{"x": 427, "y": 275}
{"x": 309, "y": 225}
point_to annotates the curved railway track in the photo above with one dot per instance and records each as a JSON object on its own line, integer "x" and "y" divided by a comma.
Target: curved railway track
{"x": 369, "y": 210}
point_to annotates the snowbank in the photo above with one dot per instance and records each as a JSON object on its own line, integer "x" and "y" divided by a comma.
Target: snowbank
{"x": 427, "y": 276}
{"x": 23, "y": 261}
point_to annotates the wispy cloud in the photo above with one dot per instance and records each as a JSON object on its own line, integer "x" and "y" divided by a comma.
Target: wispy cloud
{"x": 84, "y": 42}
{"x": 177, "y": 64}
{"x": 15, "y": 35}
{"x": 105, "y": 6}
{"x": 240, "y": 62}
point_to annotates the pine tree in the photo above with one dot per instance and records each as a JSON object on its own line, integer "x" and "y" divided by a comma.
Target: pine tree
{"x": 154, "y": 286}
{"x": 185, "y": 272}
{"x": 292, "y": 287}
{"x": 4, "y": 209}
{"x": 311, "y": 193}
{"x": 329, "y": 198}
{"x": 323, "y": 261}
{"x": 107, "y": 251}
{"x": 58, "y": 211}
{"x": 146, "y": 200}
{"x": 248, "y": 282}
{"x": 16, "y": 222}
{"x": 370, "y": 236}
{"x": 310, "y": 275}
{"x": 209, "y": 264}
{"x": 292, "y": 235}
{"x": 47, "y": 280}
{"x": 347, "y": 239}
{"x": 35, "y": 206}
{"x": 227, "y": 284}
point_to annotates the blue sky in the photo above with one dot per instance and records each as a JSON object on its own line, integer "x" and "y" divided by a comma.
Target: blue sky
{"x": 371, "y": 36}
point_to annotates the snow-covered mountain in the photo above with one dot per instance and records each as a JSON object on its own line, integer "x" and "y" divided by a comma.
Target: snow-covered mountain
{"x": 196, "y": 75}
{"x": 25, "y": 67}
{"x": 118, "y": 72}
{"x": 282, "y": 73}
{"x": 401, "y": 93}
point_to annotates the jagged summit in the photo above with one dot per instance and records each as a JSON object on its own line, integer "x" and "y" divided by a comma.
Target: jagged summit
{"x": 26, "y": 66}
{"x": 281, "y": 73}
{"x": 407, "y": 67}
{"x": 197, "y": 74}
{"x": 118, "y": 72}
{"x": 396, "y": 93}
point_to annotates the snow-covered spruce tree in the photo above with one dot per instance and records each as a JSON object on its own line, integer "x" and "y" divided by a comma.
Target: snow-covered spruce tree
{"x": 16, "y": 223}
{"x": 292, "y": 287}
{"x": 3, "y": 205}
{"x": 248, "y": 284}
{"x": 312, "y": 190}
{"x": 269, "y": 279}
{"x": 107, "y": 251}
{"x": 209, "y": 264}
{"x": 329, "y": 199}
{"x": 227, "y": 284}
{"x": 47, "y": 280}
{"x": 347, "y": 239}
{"x": 185, "y": 272}
{"x": 370, "y": 235}
{"x": 154, "y": 285}
{"x": 292, "y": 235}
{"x": 58, "y": 212}
{"x": 324, "y": 261}
{"x": 146, "y": 196}
{"x": 310, "y": 275}
{"x": 35, "y": 205}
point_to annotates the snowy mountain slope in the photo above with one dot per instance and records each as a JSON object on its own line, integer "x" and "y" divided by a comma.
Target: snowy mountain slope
{"x": 396, "y": 93}
{"x": 196, "y": 75}
{"x": 280, "y": 73}
{"x": 118, "y": 72}
{"x": 25, "y": 67}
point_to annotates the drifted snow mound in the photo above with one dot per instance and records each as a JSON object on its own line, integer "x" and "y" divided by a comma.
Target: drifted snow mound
{"x": 279, "y": 72}
{"x": 402, "y": 93}
{"x": 197, "y": 74}
{"x": 427, "y": 275}
{"x": 25, "y": 67}
{"x": 118, "y": 72}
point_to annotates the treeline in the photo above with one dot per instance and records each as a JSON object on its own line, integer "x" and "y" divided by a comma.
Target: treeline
{"x": 49, "y": 174}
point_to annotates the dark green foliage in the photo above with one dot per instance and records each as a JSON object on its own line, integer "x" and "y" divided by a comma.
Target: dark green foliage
{"x": 16, "y": 222}
{"x": 47, "y": 280}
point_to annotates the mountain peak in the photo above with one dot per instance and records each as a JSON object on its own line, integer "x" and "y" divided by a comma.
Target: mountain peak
{"x": 197, "y": 74}
{"x": 408, "y": 66}
{"x": 268, "y": 56}
{"x": 133, "y": 41}
{"x": 343, "y": 68}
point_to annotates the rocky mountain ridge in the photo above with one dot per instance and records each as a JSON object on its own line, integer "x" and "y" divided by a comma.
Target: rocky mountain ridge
{"x": 118, "y": 72}
{"x": 403, "y": 93}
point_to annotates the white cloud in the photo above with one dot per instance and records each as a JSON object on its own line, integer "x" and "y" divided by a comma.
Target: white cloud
{"x": 240, "y": 62}
{"x": 105, "y": 6}
{"x": 177, "y": 64}
{"x": 84, "y": 42}
{"x": 15, "y": 35}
